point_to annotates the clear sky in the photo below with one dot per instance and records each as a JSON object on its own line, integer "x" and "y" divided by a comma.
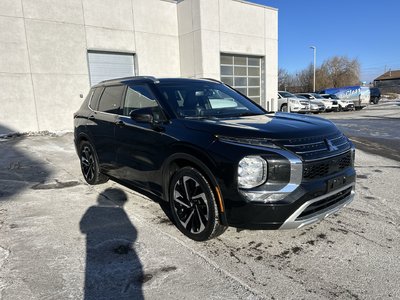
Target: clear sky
{"x": 368, "y": 30}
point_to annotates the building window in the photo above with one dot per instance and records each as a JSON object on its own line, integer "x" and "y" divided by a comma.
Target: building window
{"x": 244, "y": 73}
{"x": 109, "y": 65}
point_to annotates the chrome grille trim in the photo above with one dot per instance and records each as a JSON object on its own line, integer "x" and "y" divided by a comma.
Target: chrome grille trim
{"x": 318, "y": 147}
{"x": 302, "y": 145}
{"x": 293, "y": 223}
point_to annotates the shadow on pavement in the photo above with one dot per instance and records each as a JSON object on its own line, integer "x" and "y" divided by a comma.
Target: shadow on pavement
{"x": 113, "y": 269}
{"x": 18, "y": 168}
{"x": 165, "y": 206}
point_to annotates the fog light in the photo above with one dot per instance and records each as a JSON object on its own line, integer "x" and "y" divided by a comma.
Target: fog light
{"x": 252, "y": 172}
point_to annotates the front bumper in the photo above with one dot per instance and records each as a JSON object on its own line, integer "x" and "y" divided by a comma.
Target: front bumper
{"x": 301, "y": 108}
{"x": 298, "y": 219}
{"x": 305, "y": 191}
{"x": 310, "y": 202}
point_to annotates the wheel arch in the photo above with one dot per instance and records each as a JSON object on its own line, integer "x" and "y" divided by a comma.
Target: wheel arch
{"x": 203, "y": 164}
{"x": 82, "y": 137}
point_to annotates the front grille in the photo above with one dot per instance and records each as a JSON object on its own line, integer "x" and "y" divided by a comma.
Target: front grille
{"x": 324, "y": 203}
{"x": 334, "y": 102}
{"x": 322, "y": 168}
{"x": 312, "y": 148}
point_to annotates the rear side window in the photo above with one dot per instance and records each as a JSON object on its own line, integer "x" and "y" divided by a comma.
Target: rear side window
{"x": 94, "y": 102}
{"x": 111, "y": 99}
{"x": 138, "y": 96}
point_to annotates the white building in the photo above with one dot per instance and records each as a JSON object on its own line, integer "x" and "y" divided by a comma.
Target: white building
{"x": 51, "y": 51}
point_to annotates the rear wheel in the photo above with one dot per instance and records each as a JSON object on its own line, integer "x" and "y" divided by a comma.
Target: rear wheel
{"x": 193, "y": 205}
{"x": 90, "y": 164}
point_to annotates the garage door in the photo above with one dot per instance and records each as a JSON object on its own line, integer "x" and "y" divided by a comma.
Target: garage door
{"x": 244, "y": 73}
{"x": 106, "y": 65}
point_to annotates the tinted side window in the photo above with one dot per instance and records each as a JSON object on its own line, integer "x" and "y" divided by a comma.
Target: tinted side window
{"x": 86, "y": 102}
{"x": 111, "y": 99}
{"x": 94, "y": 102}
{"x": 138, "y": 96}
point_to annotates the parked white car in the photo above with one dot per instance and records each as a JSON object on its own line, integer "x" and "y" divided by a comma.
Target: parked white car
{"x": 286, "y": 99}
{"x": 341, "y": 103}
{"x": 334, "y": 99}
{"x": 314, "y": 100}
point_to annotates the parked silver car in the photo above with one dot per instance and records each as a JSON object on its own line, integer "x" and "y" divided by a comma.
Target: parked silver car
{"x": 286, "y": 99}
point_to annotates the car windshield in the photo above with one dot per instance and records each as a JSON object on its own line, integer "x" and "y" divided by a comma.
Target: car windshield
{"x": 207, "y": 100}
{"x": 333, "y": 97}
{"x": 287, "y": 95}
{"x": 317, "y": 96}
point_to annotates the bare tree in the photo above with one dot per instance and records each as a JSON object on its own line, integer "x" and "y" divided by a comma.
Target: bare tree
{"x": 337, "y": 71}
{"x": 305, "y": 79}
{"x": 283, "y": 79}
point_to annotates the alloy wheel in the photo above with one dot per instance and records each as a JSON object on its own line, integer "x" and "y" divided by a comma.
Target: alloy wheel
{"x": 88, "y": 163}
{"x": 191, "y": 205}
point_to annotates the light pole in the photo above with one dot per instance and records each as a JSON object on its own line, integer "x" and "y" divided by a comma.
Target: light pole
{"x": 315, "y": 61}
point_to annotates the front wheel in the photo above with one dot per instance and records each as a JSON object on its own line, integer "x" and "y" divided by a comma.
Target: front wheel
{"x": 284, "y": 108}
{"x": 193, "y": 205}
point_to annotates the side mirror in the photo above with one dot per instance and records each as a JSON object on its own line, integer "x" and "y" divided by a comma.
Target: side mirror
{"x": 143, "y": 115}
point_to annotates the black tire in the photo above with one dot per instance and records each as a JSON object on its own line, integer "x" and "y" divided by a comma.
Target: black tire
{"x": 284, "y": 108}
{"x": 193, "y": 205}
{"x": 340, "y": 108}
{"x": 90, "y": 164}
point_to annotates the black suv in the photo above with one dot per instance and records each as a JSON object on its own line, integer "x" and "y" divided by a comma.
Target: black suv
{"x": 218, "y": 158}
{"x": 375, "y": 95}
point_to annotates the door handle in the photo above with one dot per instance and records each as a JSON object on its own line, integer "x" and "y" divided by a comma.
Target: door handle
{"x": 91, "y": 117}
{"x": 120, "y": 123}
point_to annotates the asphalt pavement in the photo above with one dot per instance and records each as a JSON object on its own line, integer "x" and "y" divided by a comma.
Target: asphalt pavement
{"x": 375, "y": 129}
{"x": 63, "y": 239}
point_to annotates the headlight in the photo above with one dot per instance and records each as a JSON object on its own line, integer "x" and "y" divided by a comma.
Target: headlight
{"x": 293, "y": 101}
{"x": 252, "y": 172}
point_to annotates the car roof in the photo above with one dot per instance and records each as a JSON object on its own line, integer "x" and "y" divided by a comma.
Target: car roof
{"x": 151, "y": 79}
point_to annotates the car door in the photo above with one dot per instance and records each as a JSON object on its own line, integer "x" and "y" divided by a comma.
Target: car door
{"x": 141, "y": 145}
{"x": 102, "y": 125}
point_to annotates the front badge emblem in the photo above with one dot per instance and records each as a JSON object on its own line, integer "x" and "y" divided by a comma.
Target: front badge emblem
{"x": 330, "y": 146}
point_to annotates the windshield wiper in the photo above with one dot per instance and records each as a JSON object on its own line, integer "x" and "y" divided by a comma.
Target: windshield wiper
{"x": 248, "y": 113}
{"x": 201, "y": 117}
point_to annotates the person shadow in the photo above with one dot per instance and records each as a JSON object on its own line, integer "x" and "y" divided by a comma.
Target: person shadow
{"x": 113, "y": 269}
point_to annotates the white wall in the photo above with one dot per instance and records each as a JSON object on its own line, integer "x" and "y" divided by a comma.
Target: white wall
{"x": 43, "y": 53}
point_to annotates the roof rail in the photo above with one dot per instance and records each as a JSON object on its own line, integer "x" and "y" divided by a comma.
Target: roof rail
{"x": 212, "y": 79}
{"x": 152, "y": 78}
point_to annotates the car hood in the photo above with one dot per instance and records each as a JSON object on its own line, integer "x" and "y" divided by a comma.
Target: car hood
{"x": 278, "y": 126}
{"x": 317, "y": 101}
{"x": 292, "y": 98}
